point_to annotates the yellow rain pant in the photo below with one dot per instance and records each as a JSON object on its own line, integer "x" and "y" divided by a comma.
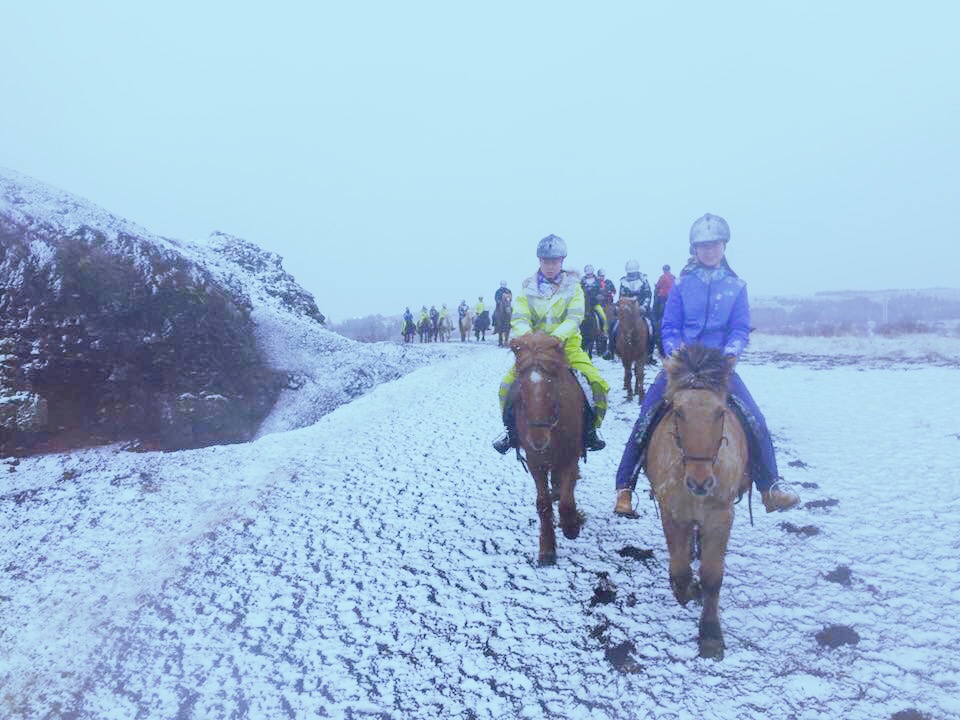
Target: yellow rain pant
{"x": 580, "y": 361}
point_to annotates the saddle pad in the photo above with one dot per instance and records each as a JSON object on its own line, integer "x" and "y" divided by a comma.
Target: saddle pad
{"x": 585, "y": 386}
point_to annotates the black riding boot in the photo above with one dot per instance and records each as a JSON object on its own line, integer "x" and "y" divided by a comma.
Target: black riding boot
{"x": 591, "y": 438}
{"x": 509, "y": 438}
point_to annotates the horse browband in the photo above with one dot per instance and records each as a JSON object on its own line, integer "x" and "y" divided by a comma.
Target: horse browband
{"x": 683, "y": 451}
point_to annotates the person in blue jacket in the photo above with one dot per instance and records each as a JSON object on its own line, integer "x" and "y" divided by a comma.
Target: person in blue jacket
{"x": 708, "y": 305}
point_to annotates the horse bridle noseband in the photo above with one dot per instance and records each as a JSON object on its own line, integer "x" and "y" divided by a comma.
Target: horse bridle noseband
{"x": 678, "y": 438}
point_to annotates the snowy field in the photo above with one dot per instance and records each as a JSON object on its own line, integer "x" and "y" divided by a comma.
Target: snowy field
{"x": 380, "y": 563}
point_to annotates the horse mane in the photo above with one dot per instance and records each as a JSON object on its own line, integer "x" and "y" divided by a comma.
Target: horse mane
{"x": 696, "y": 367}
{"x": 538, "y": 350}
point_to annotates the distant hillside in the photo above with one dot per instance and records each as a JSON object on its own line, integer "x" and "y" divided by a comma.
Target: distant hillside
{"x": 856, "y": 309}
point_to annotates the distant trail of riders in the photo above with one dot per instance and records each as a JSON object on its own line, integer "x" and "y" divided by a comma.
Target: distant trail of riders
{"x": 599, "y": 328}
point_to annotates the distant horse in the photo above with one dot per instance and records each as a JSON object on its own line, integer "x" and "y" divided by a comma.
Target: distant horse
{"x": 589, "y": 330}
{"x": 409, "y": 330}
{"x": 466, "y": 322}
{"x": 445, "y": 328}
{"x": 697, "y": 466}
{"x": 424, "y": 329}
{"x": 633, "y": 337}
{"x": 434, "y": 328}
{"x": 502, "y": 317}
{"x": 481, "y": 325}
{"x": 548, "y": 408}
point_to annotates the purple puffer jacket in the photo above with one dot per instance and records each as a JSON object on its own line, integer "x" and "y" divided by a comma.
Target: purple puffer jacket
{"x": 707, "y": 306}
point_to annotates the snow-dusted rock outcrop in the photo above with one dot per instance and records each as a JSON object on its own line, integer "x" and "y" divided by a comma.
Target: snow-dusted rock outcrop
{"x": 110, "y": 333}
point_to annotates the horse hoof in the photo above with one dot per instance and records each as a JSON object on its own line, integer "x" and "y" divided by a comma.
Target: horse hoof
{"x": 547, "y": 559}
{"x": 712, "y": 649}
{"x": 711, "y": 640}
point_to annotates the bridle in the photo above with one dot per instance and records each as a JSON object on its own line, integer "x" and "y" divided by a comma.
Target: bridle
{"x": 684, "y": 457}
{"x": 554, "y": 418}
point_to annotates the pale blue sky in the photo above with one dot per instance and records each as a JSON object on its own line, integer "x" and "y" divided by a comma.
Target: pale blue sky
{"x": 414, "y": 153}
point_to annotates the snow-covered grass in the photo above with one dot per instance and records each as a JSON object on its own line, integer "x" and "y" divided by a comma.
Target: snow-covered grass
{"x": 379, "y": 562}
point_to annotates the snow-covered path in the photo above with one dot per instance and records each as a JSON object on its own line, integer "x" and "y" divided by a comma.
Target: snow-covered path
{"x": 381, "y": 563}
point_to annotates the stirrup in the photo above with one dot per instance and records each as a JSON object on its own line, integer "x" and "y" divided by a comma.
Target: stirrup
{"x": 503, "y": 443}
{"x": 791, "y": 498}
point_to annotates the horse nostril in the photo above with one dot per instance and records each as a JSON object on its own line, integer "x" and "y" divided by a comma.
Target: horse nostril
{"x": 698, "y": 489}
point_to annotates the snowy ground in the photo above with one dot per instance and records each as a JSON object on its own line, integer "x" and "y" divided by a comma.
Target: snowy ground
{"x": 380, "y": 563}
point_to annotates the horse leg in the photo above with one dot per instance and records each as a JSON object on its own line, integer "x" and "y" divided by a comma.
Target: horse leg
{"x": 679, "y": 537}
{"x": 638, "y": 375}
{"x": 627, "y": 385}
{"x": 548, "y": 540}
{"x": 713, "y": 548}
{"x": 569, "y": 517}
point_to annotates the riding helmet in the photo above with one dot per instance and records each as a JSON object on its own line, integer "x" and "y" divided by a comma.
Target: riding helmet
{"x": 632, "y": 266}
{"x": 552, "y": 246}
{"x": 588, "y": 270}
{"x": 709, "y": 228}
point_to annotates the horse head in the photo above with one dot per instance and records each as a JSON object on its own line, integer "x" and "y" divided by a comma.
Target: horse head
{"x": 627, "y": 307}
{"x": 539, "y": 361}
{"x": 697, "y": 396}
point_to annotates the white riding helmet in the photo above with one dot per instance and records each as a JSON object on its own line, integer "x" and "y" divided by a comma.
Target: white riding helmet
{"x": 552, "y": 246}
{"x": 632, "y": 266}
{"x": 503, "y": 283}
{"x": 709, "y": 228}
{"x": 601, "y": 273}
{"x": 588, "y": 270}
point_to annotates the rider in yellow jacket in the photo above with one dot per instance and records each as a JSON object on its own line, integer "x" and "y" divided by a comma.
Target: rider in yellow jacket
{"x": 552, "y": 301}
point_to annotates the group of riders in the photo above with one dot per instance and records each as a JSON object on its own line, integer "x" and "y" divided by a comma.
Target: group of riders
{"x": 432, "y": 323}
{"x": 599, "y": 294}
{"x": 706, "y": 305}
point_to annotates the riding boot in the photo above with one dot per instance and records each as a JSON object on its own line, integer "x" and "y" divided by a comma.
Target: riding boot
{"x": 624, "y": 504}
{"x": 591, "y": 438}
{"x": 779, "y": 496}
{"x": 509, "y": 438}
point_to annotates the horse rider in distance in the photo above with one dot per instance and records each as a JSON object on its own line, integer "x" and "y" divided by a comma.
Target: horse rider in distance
{"x": 634, "y": 284}
{"x": 591, "y": 295}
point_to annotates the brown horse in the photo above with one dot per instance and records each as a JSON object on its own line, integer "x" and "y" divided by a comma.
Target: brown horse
{"x": 548, "y": 410}
{"x": 502, "y": 317}
{"x": 633, "y": 337}
{"x": 697, "y": 465}
{"x": 466, "y": 324}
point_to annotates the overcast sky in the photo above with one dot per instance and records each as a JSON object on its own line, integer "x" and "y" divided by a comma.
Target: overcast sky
{"x": 409, "y": 153}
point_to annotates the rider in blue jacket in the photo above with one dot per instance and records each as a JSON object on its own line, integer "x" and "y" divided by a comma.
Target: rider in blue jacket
{"x": 708, "y": 305}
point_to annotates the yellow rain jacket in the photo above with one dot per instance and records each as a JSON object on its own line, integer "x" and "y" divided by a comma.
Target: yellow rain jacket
{"x": 556, "y": 309}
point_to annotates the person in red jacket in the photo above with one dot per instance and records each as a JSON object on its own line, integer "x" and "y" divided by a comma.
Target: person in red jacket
{"x": 660, "y": 294}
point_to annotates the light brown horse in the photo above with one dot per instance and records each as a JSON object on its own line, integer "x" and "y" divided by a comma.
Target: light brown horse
{"x": 633, "y": 337}
{"x": 502, "y": 316}
{"x": 445, "y": 328}
{"x": 548, "y": 409}
{"x": 466, "y": 324}
{"x": 697, "y": 465}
